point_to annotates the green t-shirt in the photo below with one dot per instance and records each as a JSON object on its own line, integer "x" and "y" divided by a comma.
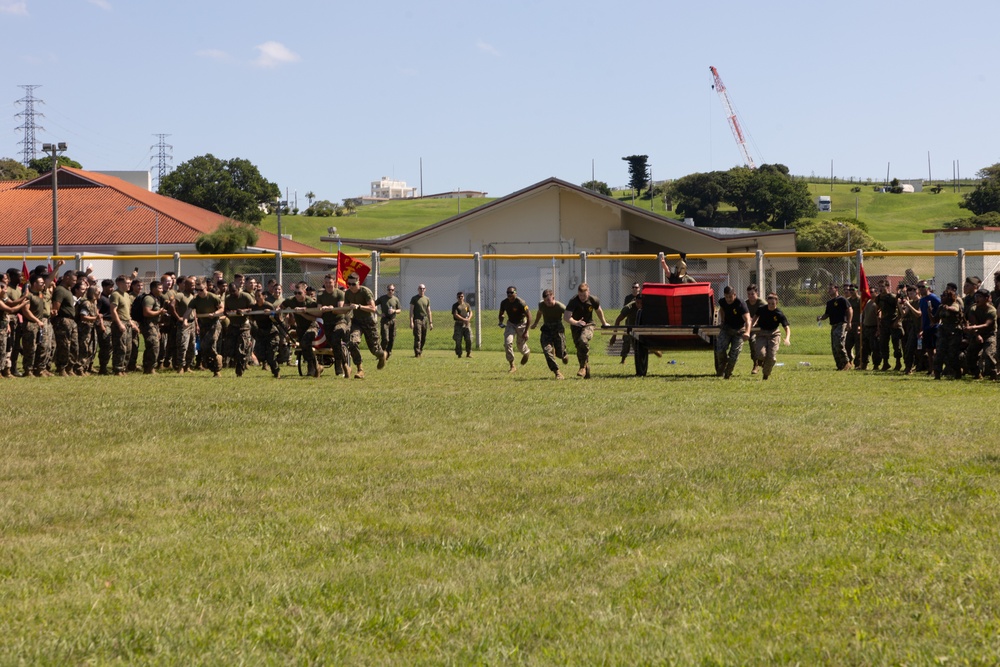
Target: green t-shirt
{"x": 38, "y": 307}
{"x": 462, "y": 309}
{"x": 205, "y": 305}
{"x": 363, "y": 297}
{"x": 182, "y": 304}
{"x": 121, "y": 302}
{"x": 335, "y": 299}
{"x": 515, "y": 310}
{"x": 982, "y": 316}
{"x": 66, "y": 301}
{"x": 151, "y": 302}
{"x": 302, "y": 322}
{"x": 551, "y": 314}
{"x": 384, "y": 303}
{"x": 583, "y": 310}
{"x": 239, "y": 301}
{"x": 421, "y": 307}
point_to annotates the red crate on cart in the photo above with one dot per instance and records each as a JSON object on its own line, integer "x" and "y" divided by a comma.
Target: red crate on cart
{"x": 681, "y": 305}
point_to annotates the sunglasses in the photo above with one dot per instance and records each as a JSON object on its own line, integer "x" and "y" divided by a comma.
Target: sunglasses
{"x": 510, "y": 293}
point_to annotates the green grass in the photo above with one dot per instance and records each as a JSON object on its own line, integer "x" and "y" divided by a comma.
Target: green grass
{"x": 443, "y": 511}
{"x": 373, "y": 221}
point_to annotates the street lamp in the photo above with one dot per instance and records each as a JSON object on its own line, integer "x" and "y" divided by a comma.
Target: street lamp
{"x": 55, "y": 148}
{"x": 156, "y": 217}
{"x": 848, "y": 228}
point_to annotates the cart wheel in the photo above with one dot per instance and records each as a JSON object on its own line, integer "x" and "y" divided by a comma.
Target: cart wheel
{"x": 298, "y": 361}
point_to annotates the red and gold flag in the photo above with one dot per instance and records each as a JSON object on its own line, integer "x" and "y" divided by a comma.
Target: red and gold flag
{"x": 866, "y": 291}
{"x": 346, "y": 265}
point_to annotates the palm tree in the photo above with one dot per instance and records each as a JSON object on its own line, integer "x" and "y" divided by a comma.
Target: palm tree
{"x": 310, "y": 196}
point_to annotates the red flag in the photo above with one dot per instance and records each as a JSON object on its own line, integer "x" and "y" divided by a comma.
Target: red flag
{"x": 346, "y": 265}
{"x": 24, "y": 272}
{"x": 866, "y": 291}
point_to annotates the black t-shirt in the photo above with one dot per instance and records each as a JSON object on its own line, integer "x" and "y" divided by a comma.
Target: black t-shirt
{"x": 836, "y": 310}
{"x": 104, "y": 307}
{"x": 732, "y": 313}
{"x": 768, "y": 320}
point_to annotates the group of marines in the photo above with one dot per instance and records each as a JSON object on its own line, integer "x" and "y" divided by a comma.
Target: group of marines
{"x": 950, "y": 335}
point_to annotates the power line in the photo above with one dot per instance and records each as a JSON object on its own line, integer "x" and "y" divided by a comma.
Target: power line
{"x": 29, "y": 146}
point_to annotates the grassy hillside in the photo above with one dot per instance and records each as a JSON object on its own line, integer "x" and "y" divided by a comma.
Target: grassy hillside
{"x": 897, "y": 220}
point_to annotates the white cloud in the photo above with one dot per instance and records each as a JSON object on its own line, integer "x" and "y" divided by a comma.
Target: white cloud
{"x": 103, "y": 4}
{"x": 487, "y": 48}
{"x": 273, "y": 54}
{"x": 14, "y": 7}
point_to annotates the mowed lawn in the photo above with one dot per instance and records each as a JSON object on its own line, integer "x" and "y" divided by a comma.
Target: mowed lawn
{"x": 445, "y": 511}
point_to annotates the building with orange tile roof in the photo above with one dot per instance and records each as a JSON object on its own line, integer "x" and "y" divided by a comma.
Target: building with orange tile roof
{"x": 103, "y": 215}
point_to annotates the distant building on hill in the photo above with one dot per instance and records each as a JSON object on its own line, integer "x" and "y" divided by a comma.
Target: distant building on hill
{"x": 386, "y": 188}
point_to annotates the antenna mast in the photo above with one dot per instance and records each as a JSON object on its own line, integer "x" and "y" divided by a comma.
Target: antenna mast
{"x": 161, "y": 157}
{"x": 734, "y": 123}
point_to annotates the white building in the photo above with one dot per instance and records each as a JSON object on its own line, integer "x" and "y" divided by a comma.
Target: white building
{"x": 387, "y": 188}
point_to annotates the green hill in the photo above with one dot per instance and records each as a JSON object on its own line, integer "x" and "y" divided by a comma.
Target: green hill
{"x": 898, "y": 221}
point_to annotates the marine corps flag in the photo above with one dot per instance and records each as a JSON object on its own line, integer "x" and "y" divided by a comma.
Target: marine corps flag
{"x": 346, "y": 265}
{"x": 866, "y": 291}
{"x": 24, "y": 272}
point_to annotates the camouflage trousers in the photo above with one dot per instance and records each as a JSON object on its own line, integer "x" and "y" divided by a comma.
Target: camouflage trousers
{"x": 367, "y": 329}
{"x": 184, "y": 346}
{"x": 728, "y": 345}
{"x": 208, "y": 349}
{"x": 387, "y": 330}
{"x": 270, "y": 342}
{"x": 5, "y": 338}
{"x": 87, "y": 337}
{"x": 239, "y": 346}
{"x": 32, "y": 347}
{"x": 151, "y": 350}
{"x": 838, "y": 338}
{"x": 103, "y": 341}
{"x": 121, "y": 347}
{"x": 553, "y": 342}
{"x": 981, "y": 356}
{"x": 946, "y": 354}
{"x": 581, "y": 339}
{"x": 67, "y": 344}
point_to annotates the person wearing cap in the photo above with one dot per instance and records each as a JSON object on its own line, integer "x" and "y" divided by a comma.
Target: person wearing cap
{"x": 969, "y": 289}
{"x": 579, "y": 314}
{"x": 838, "y": 311}
{"x": 421, "y": 319}
{"x": 361, "y": 299}
{"x": 889, "y": 330}
{"x": 929, "y": 303}
{"x": 768, "y": 320}
{"x": 553, "y": 338}
{"x": 734, "y": 330}
{"x": 461, "y": 312}
{"x": 981, "y": 328}
{"x": 852, "y": 341}
{"x": 515, "y": 331}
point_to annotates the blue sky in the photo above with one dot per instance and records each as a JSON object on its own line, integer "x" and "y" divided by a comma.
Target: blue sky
{"x": 326, "y": 96}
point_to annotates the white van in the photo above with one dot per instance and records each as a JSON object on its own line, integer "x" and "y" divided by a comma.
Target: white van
{"x": 824, "y": 203}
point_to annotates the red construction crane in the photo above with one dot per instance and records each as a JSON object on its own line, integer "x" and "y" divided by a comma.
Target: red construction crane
{"x": 734, "y": 123}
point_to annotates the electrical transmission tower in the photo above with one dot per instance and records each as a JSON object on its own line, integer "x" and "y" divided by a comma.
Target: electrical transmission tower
{"x": 161, "y": 157}
{"x": 29, "y": 114}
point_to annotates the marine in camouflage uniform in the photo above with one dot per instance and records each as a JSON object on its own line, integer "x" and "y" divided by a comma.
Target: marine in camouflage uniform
{"x": 88, "y": 322}
{"x": 421, "y": 319}
{"x": 361, "y": 299}
{"x": 462, "y": 314}
{"x": 553, "y": 338}
{"x": 305, "y": 327}
{"x": 121, "y": 327}
{"x": 236, "y": 303}
{"x": 910, "y": 308}
{"x": 981, "y": 355}
{"x": 208, "y": 308}
{"x": 888, "y": 323}
{"x": 337, "y": 326}
{"x": 579, "y": 314}
{"x": 152, "y": 310}
{"x": 268, "y": 333}
{"x": 516, "y": 329}
{"x": 36, "y": 316}
{"x": 388, "y": 306}
{"x": 104, "y": 331}
{"x": 184, "y": 326}
{"x": 64, "y": 325}
{"x": 949, "y": 342}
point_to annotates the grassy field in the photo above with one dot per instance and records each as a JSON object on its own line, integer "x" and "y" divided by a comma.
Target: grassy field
{"x": 424, "y": 516}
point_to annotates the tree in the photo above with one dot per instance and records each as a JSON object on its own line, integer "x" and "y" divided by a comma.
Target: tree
{"x": 778, "y": 199}
{"x": 599, "y": 187}
{"x": 832, "y": 236}
{"x": 12, "y": 170}
{"x": 44, "y": 164}
{"x": 638, "y": 171}
{"x": 234, "y": 188}
{"x": 988, "y": 219}
{"x": 351, "y": 205}
{"x": 310, "y": 196}
{"x": 227, "y": 239}
{"x": 323, "y": 208}
{"x": 698, "y": 195}
{"x": 986, "y": 196}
